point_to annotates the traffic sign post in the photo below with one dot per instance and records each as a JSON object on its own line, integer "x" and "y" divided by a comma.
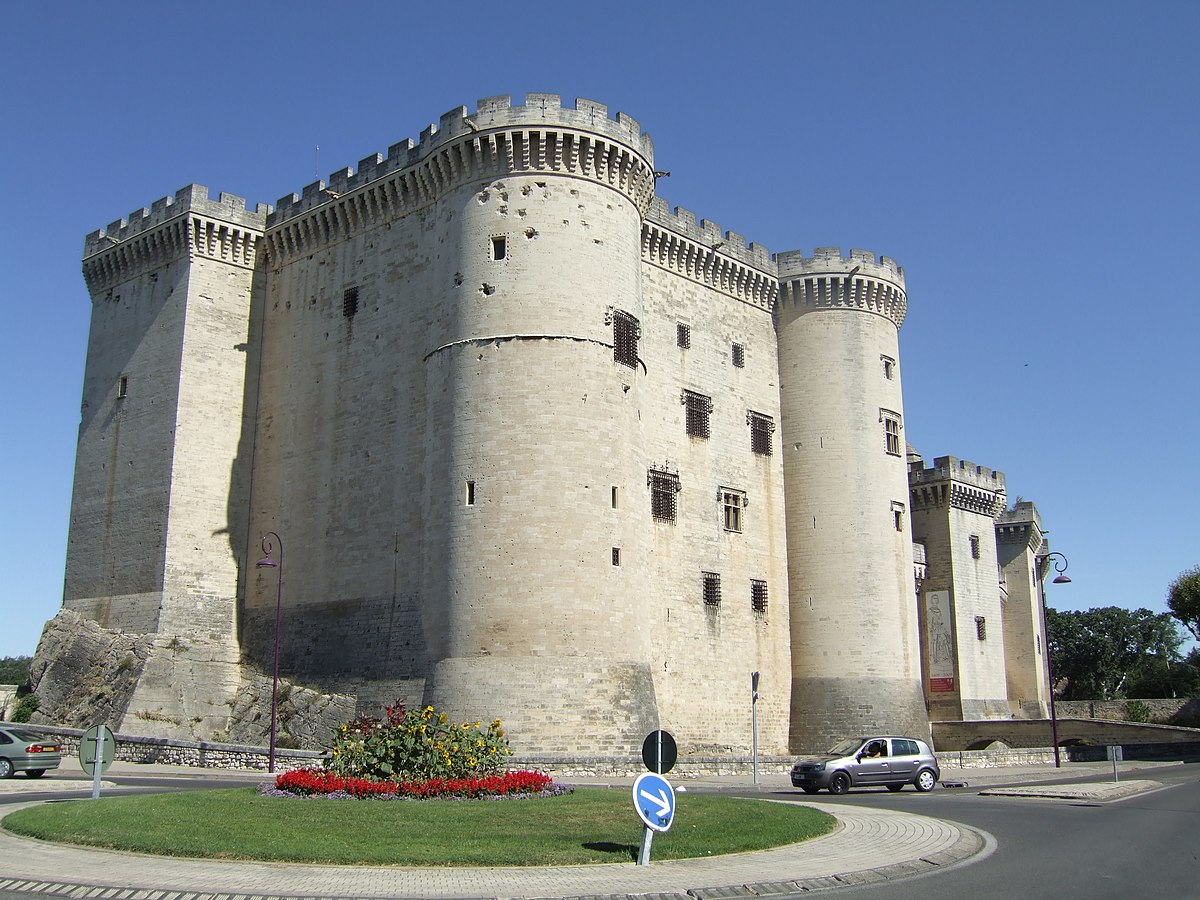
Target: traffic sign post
{"x": 659, "y": 752}
{"x": 97, "y": 748}
{"x": 654, "y": 801}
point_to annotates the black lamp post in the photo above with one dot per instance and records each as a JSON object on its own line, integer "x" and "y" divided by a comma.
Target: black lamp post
{"x": 1060, "y": 566}
{"x": 268, "y": 547}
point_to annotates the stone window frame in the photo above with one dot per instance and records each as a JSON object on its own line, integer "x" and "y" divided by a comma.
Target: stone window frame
{"x": 762, "y": 427}
{"x": 663, "y": 486}
{"x": 738, "y": 354}
{"x": 683, "y": 335}
{"x": 758, "y": 596}
{"x": 711, "y": 588}
{"x": 733, "y": 502}
{"x": 626, "y": 332}
{"x": 892, "y": 425}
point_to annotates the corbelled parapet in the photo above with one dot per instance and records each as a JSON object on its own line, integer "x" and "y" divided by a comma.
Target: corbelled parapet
{"x": 188, "y": 222}
{"x": 498, "y": 140}
{"x": 1021, "y": 525}
{"x": 829, "y": 280}
{"x": 673, "y": 240}
{"x": 958, "y": 483}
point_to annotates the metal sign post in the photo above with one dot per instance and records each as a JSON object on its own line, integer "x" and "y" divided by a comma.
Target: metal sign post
{"x": 654, "y": 801}
{"x": 97, "y": 748}
{"x": 754, "y": 719}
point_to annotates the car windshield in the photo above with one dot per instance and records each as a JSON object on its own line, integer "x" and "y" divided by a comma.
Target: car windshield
{"x": 846, "y": 747}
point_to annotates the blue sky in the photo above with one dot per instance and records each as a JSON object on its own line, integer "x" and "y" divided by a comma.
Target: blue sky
{"x": 1035, "y": 167}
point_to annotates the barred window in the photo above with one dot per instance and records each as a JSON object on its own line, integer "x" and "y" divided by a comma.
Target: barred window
{"x": 663, "y": 488}
{"x": 891, "y": 431}
{"x": 698, "y": 408}
{"x": 732, "y": 503}
{"x": 974, "y": 539}
{"x": 761, "y": 429}
{"x": 350, "y": 302}
{"x": 739, "y": 356}
{"x": 712, "y": 589}
{"x": 758, "y": 596}
{"x": 981, "y": 628}
{"x": 625, "y": 338}
{"x": 683, "y": 335}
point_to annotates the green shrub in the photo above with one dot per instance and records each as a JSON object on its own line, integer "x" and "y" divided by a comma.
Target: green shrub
{"x": 414, "y": 745}
{"x": 1136, "y": 711}
{"x": 25, "y": 708}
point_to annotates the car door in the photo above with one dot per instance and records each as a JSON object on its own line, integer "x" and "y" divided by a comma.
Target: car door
{"x": 873, "y": 770}
{"x": 904, "y": 759}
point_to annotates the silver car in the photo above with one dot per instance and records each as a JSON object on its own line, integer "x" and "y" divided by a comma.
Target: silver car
{"x": 866, "y": 761}
{"x": 26, "y": 751}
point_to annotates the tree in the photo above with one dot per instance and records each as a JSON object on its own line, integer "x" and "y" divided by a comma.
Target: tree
{"x": 15, "y": 670}
{"x": 1183, "y": 600}
{"x": 1102, "y": 653}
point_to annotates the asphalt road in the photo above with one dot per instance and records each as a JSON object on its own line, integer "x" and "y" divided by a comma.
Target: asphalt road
{"x": 1147, "y": 845}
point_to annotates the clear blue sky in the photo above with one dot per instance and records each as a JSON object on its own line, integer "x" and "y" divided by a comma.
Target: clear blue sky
{"x": 1034, "y": 167}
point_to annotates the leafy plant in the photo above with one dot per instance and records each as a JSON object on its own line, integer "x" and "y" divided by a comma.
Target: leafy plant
{"x": 315, "y": 782}
{"x": 1136, "y": 711}
{"x": 416, "y": 745}
{"x": 25, "y": 708}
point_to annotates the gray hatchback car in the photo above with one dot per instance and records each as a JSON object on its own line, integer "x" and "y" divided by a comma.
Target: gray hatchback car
{"x": 865, "y": 761}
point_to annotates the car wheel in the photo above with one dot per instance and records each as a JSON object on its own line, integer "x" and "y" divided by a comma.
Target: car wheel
{"x": 809, "y": 789}
{"x": 839, "y": 783}
{"x": 895, "y": 787}
{"x": 34, "y": 773}
{"x": 926, "y": 780}
{"x": 6, "y": 768}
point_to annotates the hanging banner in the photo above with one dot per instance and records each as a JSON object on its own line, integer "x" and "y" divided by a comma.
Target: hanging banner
{"x": 939, "y": 641}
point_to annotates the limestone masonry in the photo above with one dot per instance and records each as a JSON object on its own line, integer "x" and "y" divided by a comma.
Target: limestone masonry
{"x": 539, "y": 447}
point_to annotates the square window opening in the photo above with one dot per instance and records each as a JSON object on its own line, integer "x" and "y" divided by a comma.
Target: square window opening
{"x": 697, "y": 408}
{"x": 758, "y": 597}
{"x": 683, "y": 336}
{"x": 350, "y": 302}
{"x": 499, "y": 248}
{"x": 663, "y": 488}
{"x": 122, "y": 387}
{"x": 712, "y": 589}
{"x": 739, "y": 356}
{"x": 889, "y": 367}
{"x": 732, "y": 504}
{"x": 616, "y": 556}
{"x": 761, "y": 429}
{"x": 625, "y": 338}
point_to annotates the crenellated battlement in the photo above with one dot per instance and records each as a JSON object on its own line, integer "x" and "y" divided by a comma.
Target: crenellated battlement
{"x": 958, "y": 483}
{"x": 708, "y": 234}
{"x": 1021, "y": 525}
{"x": 192, "y": 198}
{"x": 829, "y": 261}
{"x": 222, "y": 229}
{"x": 492, "y": 114}
{"x": 673, "y": 240}
{"x": 828, "y": 280}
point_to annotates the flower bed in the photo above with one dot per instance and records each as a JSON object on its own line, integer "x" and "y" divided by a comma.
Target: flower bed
{"x": 321, "y": 783}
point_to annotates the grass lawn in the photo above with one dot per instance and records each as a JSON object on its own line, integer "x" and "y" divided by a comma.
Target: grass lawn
{"x": 589, "y": 826}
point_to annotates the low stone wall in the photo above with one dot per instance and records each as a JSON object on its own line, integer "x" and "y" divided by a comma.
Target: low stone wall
{"x": 198, "y": 754}
{"x": 1169, "y": 712}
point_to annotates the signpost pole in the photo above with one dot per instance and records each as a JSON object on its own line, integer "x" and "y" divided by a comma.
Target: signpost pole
{"x": 754, "y": 719}
{"x": 96, "y": 749}
{"x": 644, "y": 852}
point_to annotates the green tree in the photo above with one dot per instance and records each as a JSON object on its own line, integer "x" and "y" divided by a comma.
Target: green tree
{"x": 1183, "y": 600}
{"x": 15, "y": 669}
{"x": 1104, "y": 653}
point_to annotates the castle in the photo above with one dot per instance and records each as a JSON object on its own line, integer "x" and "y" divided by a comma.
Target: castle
{"x": 525, "y": 442}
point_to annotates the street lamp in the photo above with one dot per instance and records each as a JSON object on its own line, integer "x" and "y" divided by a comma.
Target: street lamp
{"x": 267, "y": 562}
{"x": 1060, "y": 566}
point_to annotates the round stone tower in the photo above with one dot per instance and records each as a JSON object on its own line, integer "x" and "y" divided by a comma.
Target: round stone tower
{"x": 855, "y": 644}
{"x": 534, "y": 426}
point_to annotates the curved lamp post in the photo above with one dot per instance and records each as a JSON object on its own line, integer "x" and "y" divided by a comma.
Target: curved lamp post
{"x": 1060, "y": 566}
{"x": 268, "y": 562}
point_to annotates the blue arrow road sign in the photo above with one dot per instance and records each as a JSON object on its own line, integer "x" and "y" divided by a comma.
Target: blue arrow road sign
{"x": 654, "y": 800}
